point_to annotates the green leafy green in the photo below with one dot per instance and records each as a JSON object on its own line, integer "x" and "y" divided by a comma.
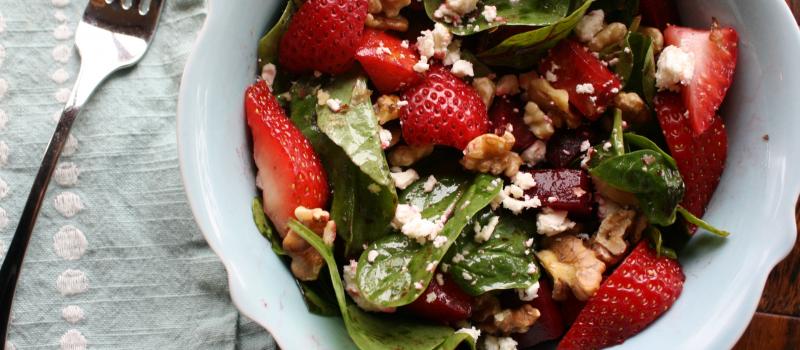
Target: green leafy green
{"x": 689, "y": 217}
{"x": 263, "y": 226}
{"x": 501, "y": 262}
{"x": 479, "y": 68}
{"x": 617, "y": 138}
{"x": 524, "y": 13}
{"x": 642, "y": 142}
{"x": 361, "y": 208}
{"x": 523, "y": 50}
{"x": 649, "y": 176}
{"x": 380, "y": 332}
{"x": 318, "y": 297}
{"x": 658, "y": 243}
{"x": 389, "y": 280}
{"x": 268, "y": 46}
{"x": 637, "y": 66}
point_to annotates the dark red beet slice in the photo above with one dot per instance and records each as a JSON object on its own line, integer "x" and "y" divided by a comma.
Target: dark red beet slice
{"x": 507, "y": 111}
{"x": 570, "y": 309}
{"x": 659, "y": 13}
{"x": 563, "y": 189}
{"x": 590, "y": 84}
{"x": 550, "y": 324}
{"x": 564, "y": 148}
{"x": 450, "y": 305}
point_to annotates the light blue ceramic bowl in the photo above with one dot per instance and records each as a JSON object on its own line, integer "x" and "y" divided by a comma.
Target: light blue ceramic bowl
{"x": 724, "y": 279}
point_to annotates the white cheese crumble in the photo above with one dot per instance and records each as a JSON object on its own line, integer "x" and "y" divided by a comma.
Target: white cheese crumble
{"x": 491, "y": 342}
{"x": 552, "y": 222}
{"x": 550, "y": 76}
{"x": 383, "y": 49}
{"x": 462, "y": 68}
{"x": 513, "y": 198}
{"x": 372, "y": 255}
{"x": 268, "y": 73}
{"x": 386, "y": 138}
{"x": 446, "y": 14}
{"x": 524, "y": 180}
{"x": 489, "y": 13}
{"x": 431, "y": 266}
{"x": 322, "y": 97}
{"x": 585, "y": 89}
{"x": 589, "y": 26}
{"x": 430, "y": 297}
{"x": 439, "y": 241}
{"x": 405, "y": 178}
{"x": 535, "y": 153}
{"x": 462, "y": 7}
{"x": 429, "y": 184}
{"x": 422, "y": 65}
{"x": 418, "y": 285}
{"x": 507, "y": 85}
{"x": 404, "y": 44}
{"x": 350, "y": 285}
{"x": 675, "y": 68}
{"x": 530, "y": 293}
{"x": 440, "y": 279}
{"x": 585, "y": 145}
{"x": 482, "y": 234}
{"x": 405, "y": 213}
{"x": 434, "y": 42}
{"x": 453, "y": 53}
{"x": 471, "y": 331}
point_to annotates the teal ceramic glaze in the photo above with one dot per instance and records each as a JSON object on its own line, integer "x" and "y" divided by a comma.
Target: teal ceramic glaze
{"x": 724, "y": 278}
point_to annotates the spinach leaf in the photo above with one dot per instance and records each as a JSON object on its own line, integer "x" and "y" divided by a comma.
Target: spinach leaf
{"x": 524, "y": 50}
{"x": 379, "y": 332}
{"x": 318, "y": 297}
{"x": 361, "y": 214}
{"x": 389, "y": 280}
{"x": 649, "y": 176}
{"x": 268, "y": 47}
{"x": 642, "y": 142}
{"x": 690, "y": 218}
{"x": 263, "y": 225}
{"x": 617, "y": 137}
{"x": 479, "y": 68}
{"x": 524, "y": 13}
{"x": 501, "y": 262}
{"x": 637, "y": 66}
{"x": 658, "y": 243}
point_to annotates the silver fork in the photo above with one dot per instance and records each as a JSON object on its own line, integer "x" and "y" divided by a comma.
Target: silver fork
{"x": 112, "y": 34}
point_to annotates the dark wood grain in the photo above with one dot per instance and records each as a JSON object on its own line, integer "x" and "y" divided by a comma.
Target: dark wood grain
{"x": 771, "y": 332}
{"x": 782, "y": 292}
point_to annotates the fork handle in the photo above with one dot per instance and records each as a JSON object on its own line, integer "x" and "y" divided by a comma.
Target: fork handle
{"x": 85, "y": 84}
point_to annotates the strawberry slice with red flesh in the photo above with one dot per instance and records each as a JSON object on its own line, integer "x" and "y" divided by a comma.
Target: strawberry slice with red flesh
{"x": 323, "y": 35}
{"x": 642, "y": 288}
{"x": 390, "y": 66}
{"x": 442, "y": 110}
{"x": 444, "y": 303}
{"x": 550, "y": 324}
{"x": 659, "y": 13}
{"x": 563, "y": 189}
{"x": 715, "y": 54}
{"x": 590, "y": 84}
{"x": 700, "y": 159}
{"x": 289, "y": 171}
{"x": 505, "y": 112}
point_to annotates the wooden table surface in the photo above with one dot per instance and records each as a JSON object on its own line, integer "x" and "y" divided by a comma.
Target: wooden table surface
{"x": 776, "y": 324}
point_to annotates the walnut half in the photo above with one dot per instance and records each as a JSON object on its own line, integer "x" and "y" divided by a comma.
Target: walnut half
{"x": 306, "y": 261}
{"x": 492, "y": 319}
{"x": 490, "y": 153}
{"x": 573, "y": 266}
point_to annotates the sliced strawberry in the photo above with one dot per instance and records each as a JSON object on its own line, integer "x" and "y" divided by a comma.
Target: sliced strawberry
{"x": 289, "y": 171}
{"x": 700, "y": 159}
{"x": 659, "y": 13}
{"x": 550, "y": 324}
{"x": 442, "y": 110}
{"x": 715, "y": 53}
{"x": 444, "y": 303}
{"x": 505, "y": 112}
{"x": 323, "y": 35}
{"x": 642, "y": 288}
{"x": 388, "y": 63}
{"x": 590, "y": 84}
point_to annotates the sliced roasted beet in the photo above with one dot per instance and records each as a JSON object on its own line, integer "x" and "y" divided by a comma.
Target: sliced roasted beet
{"x": 564, "y": 148}
{"x": 659, "y": 13}
{"x": 550, "y": 324}
{"x": 447, "y": 304}
{"x": 570, "y": 309}
{"x": 509, "y": 110}
{"x": 563, "y": 189}
{"x": 590, "y": 84}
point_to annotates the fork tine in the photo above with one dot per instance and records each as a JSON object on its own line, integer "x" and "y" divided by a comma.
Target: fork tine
{"x": 155, "y": 7}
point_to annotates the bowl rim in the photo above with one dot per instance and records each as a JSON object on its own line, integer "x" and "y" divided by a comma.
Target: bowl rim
{"x": 777, "y": 254}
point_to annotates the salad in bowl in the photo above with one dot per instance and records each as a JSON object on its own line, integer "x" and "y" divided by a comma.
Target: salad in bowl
{"x": 494, "y": 174}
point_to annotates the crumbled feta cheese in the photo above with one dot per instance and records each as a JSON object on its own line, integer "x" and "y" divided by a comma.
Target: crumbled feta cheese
{"x": 532, "y": 269}
{"x": 404, "y": 44}
{"x": 530, "y": 293}
{"x": 453, "y": 53}
{"x": 430, "y": 297}
{"x": 482, "y": 234}
{"x": 429, "y": 184}
{"x": 552, "y": 222}
{"x": 383, "y": 49}
{"x": 507, "y": 85}
{"x": 322, "y": 97}
{"x": 431, "y": 266}
{"x": 606, "y": 146}
{"x": 500, "y": 316}
{"x": 351, "y": 287}
{"x": 550, "y": 76}
{"x": 535, "y": 153}
{"x": 675, "y": 67}
{"x": 491, "y": 342}
{"x": 418, "y": 285}
{"x": 439, "y": 241}
{"x": 529, "y": 242}
{"x": 578, "y": 192}
{"x": 552, "y": 199}
{"x": 586, "y": 88}
{"x": 405, "y": 178}
{"x": 462, "y": 68}
{"x": 402, "y": 103}
{"x": 457, "y": 258}
{"x": 422, "y": 65}
{"x": 440, "y": 279}
{"x": 466, "y": 276}
{"x": 421, "y": 230}
{"x": 372, "y": 255}
{"x": 405, "y": 213}
{"x": 386, "y": 138}
{"x": 446, "y": 14}
{"x": 513, "y": 198}
{"x": 268, "y": 73}
{"x": 334, "y": 104}
{"x": 471, "y": 331}
{"x": 462, "y": 7}
{"x": 614, "y": 90}
{"x": 524, "y": 180}
{"x": 489, "y": 13}
{"x": 585, "y": 145}
{"x": 589, "y": 25}
{"x": 434, "y": 43}
{"x": 648, "y": 159}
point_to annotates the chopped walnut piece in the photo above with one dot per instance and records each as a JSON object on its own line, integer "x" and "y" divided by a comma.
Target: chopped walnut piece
{"x": 387, "y": 108}
{"x": 539, "y": 123}
{"x": 491, "y": 318}
{"x": 609, "y": 241}
{"x": 656, "y": 36}
{"x": 554, "y": 102}
{"x": 374, "y": 6}
{"x": 391, "y": 8}
{"x": 610, "y": 35}
{"x": 572, "y": 266}
{"x": 486, "y": 90}
{"x": 405, "y": 155}
{"x": 306, "y": 261}
{"x": 634, "y": 110}
{"x": 396, "y": 23}
{"x": 490, "y": 153}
